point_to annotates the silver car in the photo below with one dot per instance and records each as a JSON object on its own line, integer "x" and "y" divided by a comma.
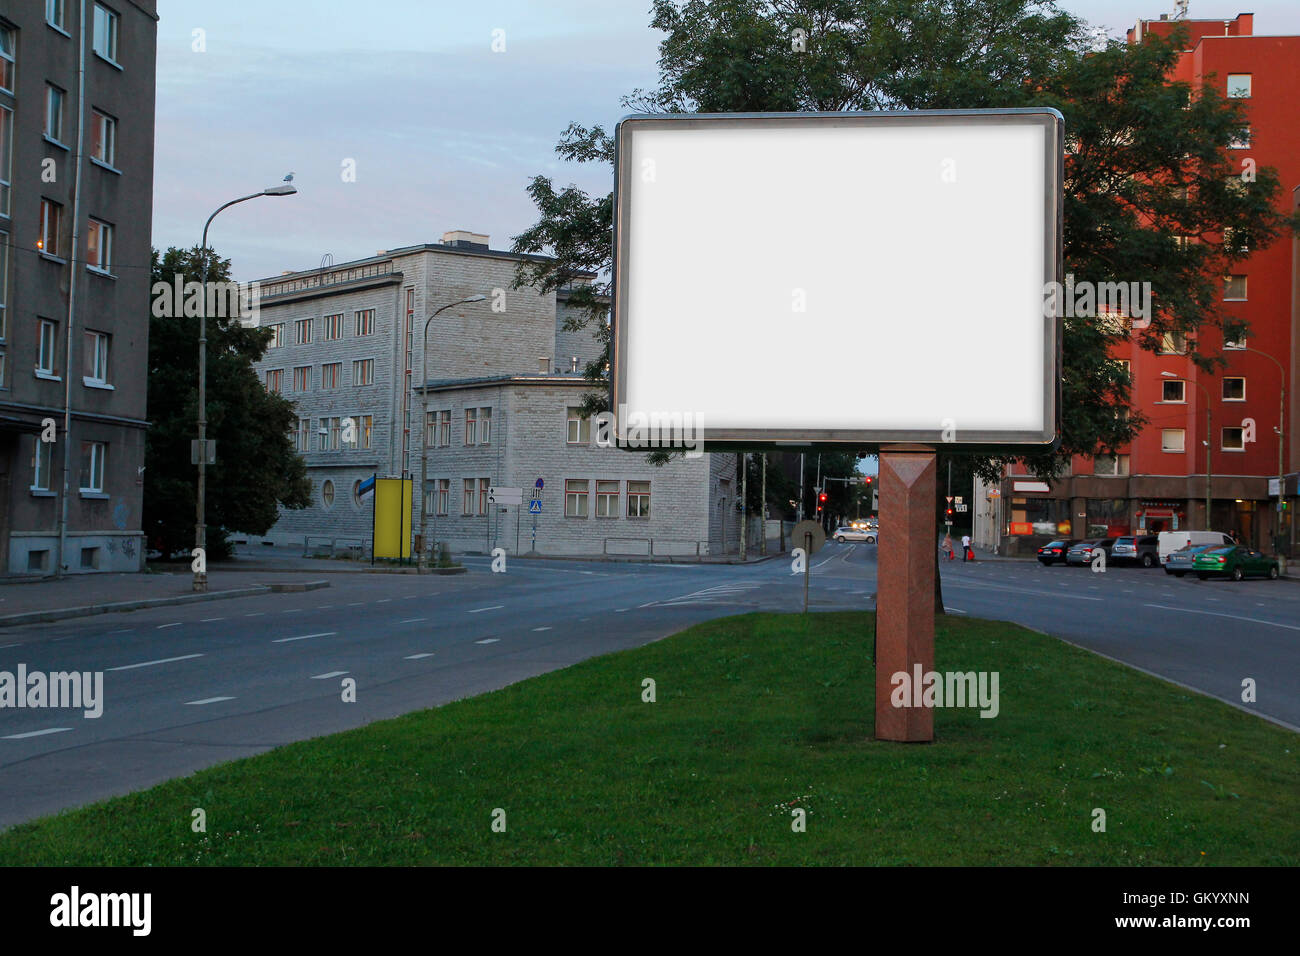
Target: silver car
{"x": 845, "y": 533}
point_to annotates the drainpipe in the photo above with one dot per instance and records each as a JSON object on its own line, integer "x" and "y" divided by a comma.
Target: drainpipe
{"x": 68, "y": 364}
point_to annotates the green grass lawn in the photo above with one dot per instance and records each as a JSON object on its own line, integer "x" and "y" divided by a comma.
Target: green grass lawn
{"x": 755, "y": 715}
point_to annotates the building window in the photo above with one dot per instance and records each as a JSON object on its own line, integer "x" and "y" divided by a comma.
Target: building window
{"x": 99, "y": 245}
{"x": 330, "y": 373}
{"x": 6, "y": 58}
{"x": 471, "y": 425}
{"x": 484, "y": 426}
{"x": 333, "y": 326}
{"x": 356, "y": 492}
{"x": 430, "y": 429}
{"x": 1234, "y": 288}
{"x": 96, "y": 361}
{"x": 467, "y": 507}
{"x": 606, "y": 499}
{"x": 303, "y": 439}
{"x": 54, "y": 98}
{"x": 579, "y": 427}
{"x": 103, "y": 137}
{"x": 302, "y": 331}
{"x": 1234, "y": 439}
{"x": 1110, "y": 465}
{"x": 1125, "y": 369}
{"x": 1175, "y": 391}
{"x": 4, "y": 284}
{"x": 1239, "y": 84}
{"x": 363, "y": 372}
{"x": 275, "y": 380}
{"x": 638, "y": 499}
{"x": 277, "y": 336}
{"x": 575, "y": 497}
{"x": 1172, "y": 439}
{"x": 1234, "y": 340}
{"x": 444, "y": 428}
{"x": 1173, "y": 343}
{"x": 47, "y": 345}
{"x": 327, "y": 493}
{"x": 42, "y": 462}
{"x": 302, "y": 378}
{"x": 331, "y": 433}
{"x": 93, "y": 454}
{"x": 444, "y": 495}
{"x": 105, "y": 37}
{"x": 366, "y": 322}
{"x": 51, "y": 220}
{"x": 356, "y": 431}
{"x": 1234, "y": 389}
{"x": 484, "y": 485}
{"x": 54, "y": 13}
{"x": 1240, "y": 139}
{"x": 6, "y": 156}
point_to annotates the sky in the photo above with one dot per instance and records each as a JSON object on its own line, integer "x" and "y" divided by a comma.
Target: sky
{"x": 442, "y": 131}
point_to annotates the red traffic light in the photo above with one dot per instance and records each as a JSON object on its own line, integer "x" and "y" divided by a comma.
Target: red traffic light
{"x": 868, "y": 479}
{"x": 822, "y": 496}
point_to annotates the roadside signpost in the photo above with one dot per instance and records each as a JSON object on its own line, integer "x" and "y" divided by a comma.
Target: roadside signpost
{"x": 931, "y": 226}
{"x": 809, "y": 535}
{"x": 535, "y": 508}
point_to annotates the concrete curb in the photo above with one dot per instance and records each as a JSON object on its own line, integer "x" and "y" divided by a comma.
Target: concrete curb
{"x": 284, "y": 586}
{"x": 40, "y": 617}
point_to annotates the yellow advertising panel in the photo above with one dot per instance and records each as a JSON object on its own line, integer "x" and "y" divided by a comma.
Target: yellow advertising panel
{"x": 392, "y": 527}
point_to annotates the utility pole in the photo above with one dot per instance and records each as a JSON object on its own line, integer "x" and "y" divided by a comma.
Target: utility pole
{"x": 802, "y": 490}
{"x": 744, "y": 504}
{"x": 762, "y": 511}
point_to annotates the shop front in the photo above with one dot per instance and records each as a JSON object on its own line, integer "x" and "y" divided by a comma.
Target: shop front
{"x": 1156, "y": 516}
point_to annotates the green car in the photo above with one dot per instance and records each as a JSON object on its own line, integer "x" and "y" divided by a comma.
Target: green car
{"x": 1233, "y": 561}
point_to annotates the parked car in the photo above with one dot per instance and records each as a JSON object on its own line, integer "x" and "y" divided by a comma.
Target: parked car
{"x": 1171, "y": 541}
{"x": 1233, "y": 561}
{"x": 1143, "y": 549}
{"x": 845, "y": 533}
{"x": 1054, "y": 551}
{"x": 1180, "y": 562}
{"x": 1081, "y": 553}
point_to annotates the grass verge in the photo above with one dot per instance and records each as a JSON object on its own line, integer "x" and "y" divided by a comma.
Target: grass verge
{"x": 755, "y": 716}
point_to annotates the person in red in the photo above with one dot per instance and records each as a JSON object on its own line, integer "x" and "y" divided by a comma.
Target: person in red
{"x": 966, "y": 553}
{"x": 946, "y": 547}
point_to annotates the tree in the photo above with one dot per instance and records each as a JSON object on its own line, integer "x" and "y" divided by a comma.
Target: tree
{"x": 1145, "y": 163}
{"x": 257, "y": 468}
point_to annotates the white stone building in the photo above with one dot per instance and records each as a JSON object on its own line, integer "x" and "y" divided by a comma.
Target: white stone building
{"x": 503, "y": 383}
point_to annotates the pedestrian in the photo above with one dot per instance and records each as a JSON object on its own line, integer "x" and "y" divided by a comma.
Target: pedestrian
{"x": 966, "y": 553}
{"x": 946, "y": 547}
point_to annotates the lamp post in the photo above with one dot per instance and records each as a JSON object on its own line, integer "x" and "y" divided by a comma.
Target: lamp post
{"x": 424, "y": 430}
{"x": 1208, "y": 446}
{"x": 1281, "y": 437}
{"x": 285, "y": 188}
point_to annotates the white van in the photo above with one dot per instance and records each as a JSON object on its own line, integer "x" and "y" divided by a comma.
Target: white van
{"x": 1171, "y": 541}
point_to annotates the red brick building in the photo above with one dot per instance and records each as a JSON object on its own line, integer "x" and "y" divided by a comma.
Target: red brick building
{"x": 1159, "y": 482}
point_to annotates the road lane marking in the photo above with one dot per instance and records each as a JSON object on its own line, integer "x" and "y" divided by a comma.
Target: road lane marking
{"x": 413, "y": 620}
{"x": 173, "y": 624}
{"x": 1253, "y": 620}
{"x": 954, "y": 609}
{"x": 255, "y": 614}
{"x": 488, "y": 640}
{"x": 415, "y": 657}
{"x": 356, "y": 604}
{"x": 303, "y": 637}
{"x": 37, "y": 733}
{"x": 383, "y": 600}
{"x": 411, "y": 597}
{"x": 163, "y": 660}
{"x": 324, "y": 607}
{"x": 209, "y": 620}
{"x": 547, "y": 628}
{"x": 292, "y": 610}
{"x": 648, "y": 604}
{"x": 3, "y": 646}
{"x": 206, "y": 700}
{"x": 494, "y": 607}
{"x": 329, "y": 675}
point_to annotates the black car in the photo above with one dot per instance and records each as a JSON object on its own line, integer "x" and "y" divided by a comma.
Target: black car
{"x": 1054, "y": 551}
{"x": 1143, "y": 549}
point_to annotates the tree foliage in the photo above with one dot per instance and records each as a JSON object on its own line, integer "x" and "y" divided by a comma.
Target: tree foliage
{"x": 257, "y": 468}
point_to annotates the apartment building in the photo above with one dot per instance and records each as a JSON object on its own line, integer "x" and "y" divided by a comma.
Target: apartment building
{"x": 503, "y": 383}
{"x": 76, "y": 196}
{"x": 1158, "y": 483}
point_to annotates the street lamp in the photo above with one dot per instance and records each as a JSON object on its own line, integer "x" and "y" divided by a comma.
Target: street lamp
{"x": 1208, "y": 446}
{"x": 285, "y": 188}
{"x": 424, "y": 429}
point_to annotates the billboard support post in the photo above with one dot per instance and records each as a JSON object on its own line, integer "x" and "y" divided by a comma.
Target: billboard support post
{"x": 905, "y": 590}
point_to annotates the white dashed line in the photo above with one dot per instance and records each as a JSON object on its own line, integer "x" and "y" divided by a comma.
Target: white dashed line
{"x": 324, "y": 607}
{"x": 411, "y": 597}
{"x": 650, "y": 604}
{"x": 494, "y": 607}
{"x": 542, "y": 628}
{"x": 164, "y": 660}
{"x": 955, "y": 610}
{"x": 488, "y": 640}
{"x": 292, "y": 610}
{"x": 303, "y": 637}
{"x": 206, "y": 700}
{"x": 619, "y": 610}
{"x": 329, "y": 675}
{"x": 1252, "y": 620}
{"x": 413, "y": 620}
{"x": 255, "y": 614}
{"x": 37, "y": 733}
{"x": 356, "y": 603}
{"x": 3, "y": 646}
{"x": 173, "y": 624}
{"x": 209, "y": 620}
{"x": 415, "y": 657}
{"x": 383, "y": 600}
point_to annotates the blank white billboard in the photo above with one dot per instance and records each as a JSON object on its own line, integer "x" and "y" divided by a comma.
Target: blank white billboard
{"x": 829, "y": 277}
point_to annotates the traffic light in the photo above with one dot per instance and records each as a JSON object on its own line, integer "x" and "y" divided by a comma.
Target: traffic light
{"x": 948, "y": 515}
{"x": 821, "y": 500}
{"x": 867, "y": 479}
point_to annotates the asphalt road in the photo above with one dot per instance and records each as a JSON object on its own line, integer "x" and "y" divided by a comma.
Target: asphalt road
{"x": 187, "y": 687}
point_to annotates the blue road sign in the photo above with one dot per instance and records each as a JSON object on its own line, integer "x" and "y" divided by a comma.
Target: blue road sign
{"x": 535, "y": 506}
